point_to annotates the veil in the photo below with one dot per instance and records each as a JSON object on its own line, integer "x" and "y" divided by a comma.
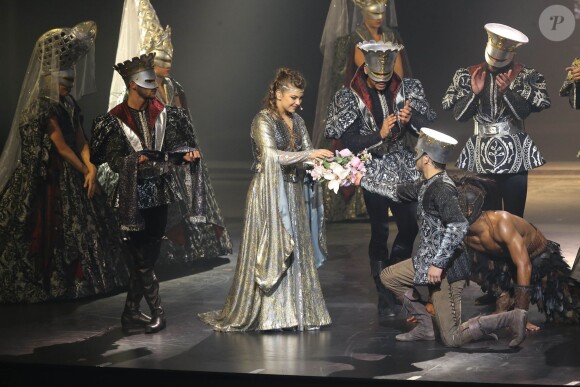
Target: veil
{"x": 343, "y": 18}
{"x": 55, "y": 50}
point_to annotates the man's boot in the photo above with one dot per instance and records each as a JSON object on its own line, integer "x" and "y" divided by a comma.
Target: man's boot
{"x": 132, "y": 318}
{"x": 486, "y": 325}
{"x": 151, "y": 287}
{"x": 424, "y": 328}
{"x": 386, "y": 298}
{"x": 386, "y": 304}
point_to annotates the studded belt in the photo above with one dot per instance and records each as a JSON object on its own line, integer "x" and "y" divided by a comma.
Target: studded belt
{"x": 497, "y": 128}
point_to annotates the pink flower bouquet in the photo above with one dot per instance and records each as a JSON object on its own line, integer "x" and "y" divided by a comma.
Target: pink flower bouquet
{"x": 340, "y": 170}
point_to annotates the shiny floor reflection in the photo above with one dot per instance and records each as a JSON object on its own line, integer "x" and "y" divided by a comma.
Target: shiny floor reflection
{"x": 358, "y": 349}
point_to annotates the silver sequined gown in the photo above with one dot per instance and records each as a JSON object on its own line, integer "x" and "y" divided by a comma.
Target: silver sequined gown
{"x": 276, "y": 285}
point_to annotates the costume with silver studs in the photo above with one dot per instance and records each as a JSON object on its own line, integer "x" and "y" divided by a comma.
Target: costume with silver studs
{"x": 55, "y": 242}
{"x": 344, "y": 28}
{"x": 443, "y": 228}
{"x": 142, "y": 33}
{"x": 355, "y": 116}
{"x": 145, "y": 190}
{"x": 500, "y": 144}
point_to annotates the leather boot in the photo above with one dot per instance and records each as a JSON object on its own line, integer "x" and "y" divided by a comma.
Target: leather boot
{"x": 150, "y": 285}
{"x": 486, "y": 325}
{"x": 132, "y": 318}
{"x": 386, "y": 304}
{"x": 424, "y": 328}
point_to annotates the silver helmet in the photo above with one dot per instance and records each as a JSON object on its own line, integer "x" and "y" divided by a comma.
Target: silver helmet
{"x": 502, "y": 43}
{"x": 380, "y": 58}
{"x": 438, "y": 146}
{"x": 372, "y": 9}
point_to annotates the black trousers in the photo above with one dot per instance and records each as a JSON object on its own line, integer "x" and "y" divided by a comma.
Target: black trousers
{"x": 405, "y": 215}
{"x": 513, "y": 190}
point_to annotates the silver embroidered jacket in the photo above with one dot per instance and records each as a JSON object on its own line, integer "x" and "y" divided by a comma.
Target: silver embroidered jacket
{"x": 355, "y": 116}
{"x": 441, "y": 222}
{"x": 500, "y": 143}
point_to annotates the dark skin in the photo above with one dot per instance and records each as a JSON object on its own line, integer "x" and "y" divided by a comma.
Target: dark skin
{"x": 501, "y": 234}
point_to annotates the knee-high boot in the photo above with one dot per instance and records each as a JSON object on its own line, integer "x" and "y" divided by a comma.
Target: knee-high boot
{"x": 150, "y": 285}
{"x": 481, "y": 326}
{"x": 132, "y": 317}
{"x": 424, "y": 328}
{"x": 386, "y": 298}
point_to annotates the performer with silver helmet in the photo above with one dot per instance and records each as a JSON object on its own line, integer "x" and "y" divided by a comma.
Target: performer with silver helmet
{"x": 347, "y": 24}
{"x": 142, "y": 33}
{"x": 58, "y": 237}
{"x": 437, "y": 273}
{"x": 383, "y": 113}
{"x": 498, "y": 95}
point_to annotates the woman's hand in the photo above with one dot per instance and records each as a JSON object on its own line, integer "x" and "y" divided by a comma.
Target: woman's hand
{"x": 358, "y": 178}
{"x": 90, "y": 180}
{"x": 320, "y": 154}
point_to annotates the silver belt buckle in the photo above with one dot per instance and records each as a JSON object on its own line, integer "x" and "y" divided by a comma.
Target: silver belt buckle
{"x": 491, "y": 130}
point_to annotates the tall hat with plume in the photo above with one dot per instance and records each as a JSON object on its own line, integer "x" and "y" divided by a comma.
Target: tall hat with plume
{"x": 380, "y": 58}
{"x": 435, "y": 144}
{"x": 372, "y": 9}
{"x": 502, "y": 42}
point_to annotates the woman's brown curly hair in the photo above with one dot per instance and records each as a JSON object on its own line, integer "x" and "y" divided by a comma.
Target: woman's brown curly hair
{"x": 284, "y": 77}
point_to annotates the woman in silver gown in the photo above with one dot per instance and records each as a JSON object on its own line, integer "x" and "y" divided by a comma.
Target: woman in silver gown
{"x": 276, "y": 285}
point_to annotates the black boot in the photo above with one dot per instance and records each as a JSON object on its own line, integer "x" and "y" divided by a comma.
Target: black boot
{"x": 150, "y": 285}
{"x": 132, "y": 318}
{"x": 386, "y": 303}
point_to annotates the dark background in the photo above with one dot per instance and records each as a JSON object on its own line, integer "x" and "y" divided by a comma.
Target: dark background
{"x": 226, "y": 52}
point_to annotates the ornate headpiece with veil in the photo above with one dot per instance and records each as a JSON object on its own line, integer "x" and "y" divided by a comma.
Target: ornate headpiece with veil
{"x": 140, "y": 33}
{"x": 60, "y": 56}
{"x": 343, "y": 18}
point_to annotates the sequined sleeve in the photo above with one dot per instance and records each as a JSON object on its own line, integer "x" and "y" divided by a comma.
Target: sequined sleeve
{"x": 460, "y": 97}
{"x": 107, "y": 143}
{"x": 263, "y": 135}
{"x": 444, "y": 201}
{"x": 527, "y": 93}
{"x": 423, "y": 113}
{"x": 342, "y": 113}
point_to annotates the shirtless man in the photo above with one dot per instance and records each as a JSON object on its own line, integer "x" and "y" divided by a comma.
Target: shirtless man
{"x": 529, "y": 257}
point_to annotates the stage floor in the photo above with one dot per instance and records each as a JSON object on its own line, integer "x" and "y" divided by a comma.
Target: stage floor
{"x": 66, "y": 341}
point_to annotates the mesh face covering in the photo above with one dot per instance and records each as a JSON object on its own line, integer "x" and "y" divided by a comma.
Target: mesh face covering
{"x": 57, "y": 52}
